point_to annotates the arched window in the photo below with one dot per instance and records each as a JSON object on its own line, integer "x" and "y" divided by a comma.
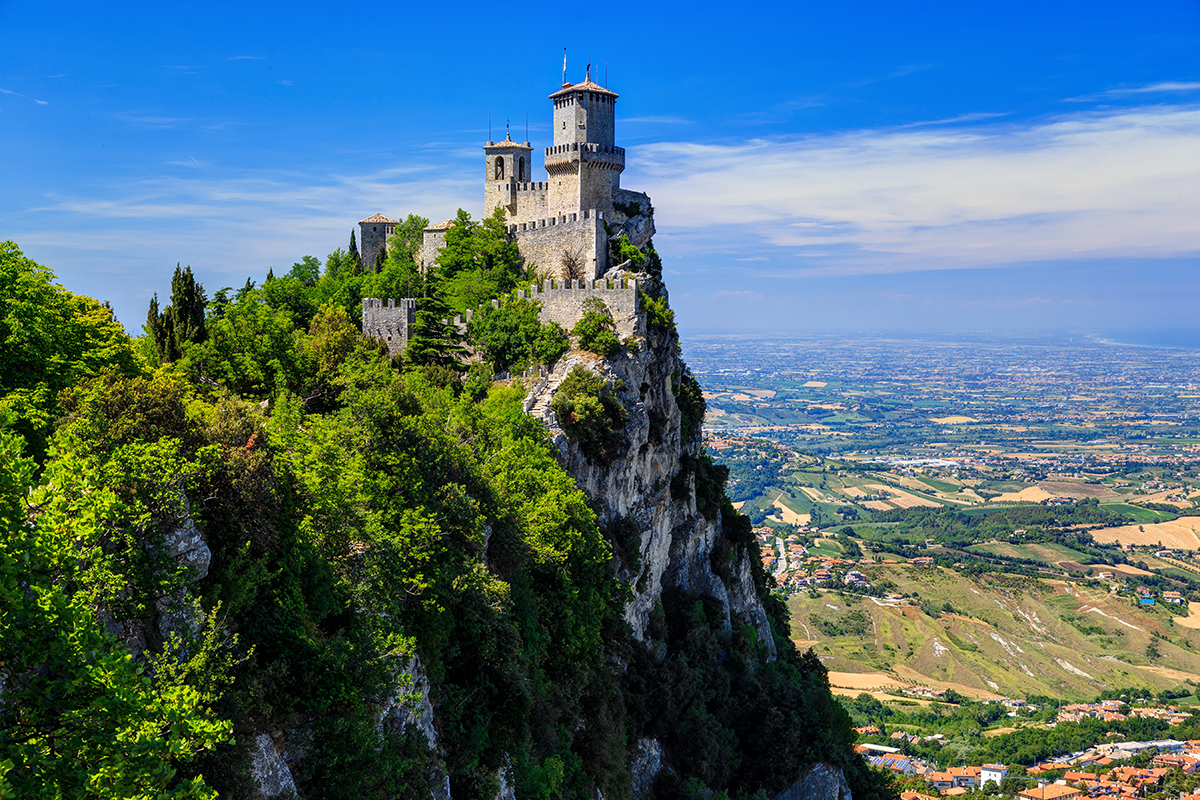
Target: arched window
{"x": 500, "y": 168}
{"x": 521, "y": 176}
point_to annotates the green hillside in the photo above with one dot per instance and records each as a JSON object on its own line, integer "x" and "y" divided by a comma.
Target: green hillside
{"x": 997, "y": 634}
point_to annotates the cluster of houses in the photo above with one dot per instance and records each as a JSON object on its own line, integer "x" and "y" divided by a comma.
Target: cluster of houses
{"x": 1092, "y": 773}
{"x": 1109, "y": 711}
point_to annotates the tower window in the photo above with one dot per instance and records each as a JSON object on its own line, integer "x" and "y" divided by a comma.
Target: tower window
{"x": 521, "y": 170}
{"x": 499, "y": 168}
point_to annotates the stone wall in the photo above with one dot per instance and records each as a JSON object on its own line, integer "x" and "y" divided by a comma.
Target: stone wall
{"x": 524, "y": 201}
{"x": 389, "y": 322}
{"x": 562, "y": 302}
{"x": 542, "y": 243}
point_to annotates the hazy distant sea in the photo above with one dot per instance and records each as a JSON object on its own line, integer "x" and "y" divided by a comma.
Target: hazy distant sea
{"x": 1175, "y": 338}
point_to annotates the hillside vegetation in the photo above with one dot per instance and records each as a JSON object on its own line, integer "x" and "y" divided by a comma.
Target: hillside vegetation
{"x": 246, "y": 525}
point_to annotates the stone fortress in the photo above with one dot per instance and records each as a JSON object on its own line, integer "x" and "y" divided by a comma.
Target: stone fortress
{"x": 563, "y": 226}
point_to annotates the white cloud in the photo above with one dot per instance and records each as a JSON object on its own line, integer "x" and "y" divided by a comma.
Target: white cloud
{"x": 1119, "y": 183}
{"x": 1164, "y": 86}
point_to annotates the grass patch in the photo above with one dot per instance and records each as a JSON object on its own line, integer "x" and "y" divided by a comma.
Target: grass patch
{"x": 1138, "y": 513}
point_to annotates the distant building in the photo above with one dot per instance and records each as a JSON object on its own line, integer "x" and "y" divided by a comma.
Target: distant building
{"x": 1053, "y": 791}
{"x": 992, "y": 772}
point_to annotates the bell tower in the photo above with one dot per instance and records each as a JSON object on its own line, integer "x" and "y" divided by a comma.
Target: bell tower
{"x": 506, "y": 164}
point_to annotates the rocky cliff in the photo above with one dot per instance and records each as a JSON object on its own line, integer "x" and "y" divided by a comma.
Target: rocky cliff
{"x": 633, "y": 489}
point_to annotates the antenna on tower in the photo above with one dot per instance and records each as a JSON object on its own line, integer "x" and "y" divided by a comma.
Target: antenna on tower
{"x": 526, "y": 126}
{"x": 564, "y": 80}
{"x": 507, "y": 129}
{"x": 606, "y": 73}
{"x": 489, "y": 126}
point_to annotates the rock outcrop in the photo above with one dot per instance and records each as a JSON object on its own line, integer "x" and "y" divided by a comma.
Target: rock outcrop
{"x": 676, "y": 540}
{"x": 821, "y": 782}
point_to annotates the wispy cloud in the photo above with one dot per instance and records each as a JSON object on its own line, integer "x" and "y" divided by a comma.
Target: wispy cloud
{"x": 1118, "y": 183}
{"x": 977, "y": 116}
{"x": 27, "y": 97}
{"x": 245, "y": 58}
{"x": 662, "y": 120}
{"x": 1162, "y": 87}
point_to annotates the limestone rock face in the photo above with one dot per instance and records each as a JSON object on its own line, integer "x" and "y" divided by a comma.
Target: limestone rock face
{"x": 647, "y": 763}
{"x": 821, "y": 782}
{"x": 409, "y": 703}
{"x": 188, "y": 548}
{"x": 676, "y": 540}
{"x": 269, "y": 770}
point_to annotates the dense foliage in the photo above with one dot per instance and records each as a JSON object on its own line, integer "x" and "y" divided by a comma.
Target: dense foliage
{"x": 596, "y": 331}
{"x": 588, "y": 409}
{"x": 511, "y": 336}
{"x": 357, "y": 511}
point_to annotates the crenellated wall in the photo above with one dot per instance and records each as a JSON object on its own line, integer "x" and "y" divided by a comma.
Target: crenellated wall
{"x": 389, "y": 322}
{"x": 544, "y": 241}
{"x": 562, "y": 302}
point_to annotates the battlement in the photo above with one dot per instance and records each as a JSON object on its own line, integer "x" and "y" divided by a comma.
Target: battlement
{"x": 529, "y": 186}
{"x": 377, "y": 303}
{"x": 561, "y": 219}
{"x": 587, "y": 147}
{"x": 389, "y": 322}
{"x": 562, "y": 302}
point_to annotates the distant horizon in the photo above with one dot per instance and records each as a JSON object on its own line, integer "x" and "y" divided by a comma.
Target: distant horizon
{"x": 812, "y": 167}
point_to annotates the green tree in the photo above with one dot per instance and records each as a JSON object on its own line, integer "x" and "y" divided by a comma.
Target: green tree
{"x": 433, "y": 339}
{"x": 478, "y": 261}
{"x": 352, "y": 253}
{"x": 80, "y": 718}
{"x": 407, "y": 240}
{"x": 49, "y": 340}
{"x": 182, "y": 322}
{"x": 511, "y": 335}
{"x": 596, "y": 331}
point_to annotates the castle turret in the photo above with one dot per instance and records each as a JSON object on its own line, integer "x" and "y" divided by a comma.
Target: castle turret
{"x": 507, "y": 166}
{"x": 584, "y": 163}
{"x": 373, "y": 233}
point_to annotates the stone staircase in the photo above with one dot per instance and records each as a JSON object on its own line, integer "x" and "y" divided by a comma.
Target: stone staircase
{"x": 537, "y": 404}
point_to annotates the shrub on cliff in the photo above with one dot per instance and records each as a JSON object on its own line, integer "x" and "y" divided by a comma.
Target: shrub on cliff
{"x": 658, "y": 315}
{"x": 590, "y": 414}
{"x": 690, "y": 399}
{"x": 596, "y": 330}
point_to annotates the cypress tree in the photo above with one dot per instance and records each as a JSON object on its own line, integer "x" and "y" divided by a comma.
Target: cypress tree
{"x": 187, "y": 308}
{"x": 182, "y": 321}
{"x": 156, "y": 328}
{"x": 354, "y": 256}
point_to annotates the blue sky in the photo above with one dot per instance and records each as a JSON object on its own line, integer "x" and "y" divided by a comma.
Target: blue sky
{"x": 814, "y": 167}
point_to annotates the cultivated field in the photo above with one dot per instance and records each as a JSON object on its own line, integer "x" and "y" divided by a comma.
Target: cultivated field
{"x": 1077, "y": 490}
{"x": 1179, "y": 534}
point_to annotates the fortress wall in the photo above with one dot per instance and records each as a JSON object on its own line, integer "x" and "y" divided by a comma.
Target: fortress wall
{"x": 388, "y": 322}
{"x": 562, "y": 302}
{"x": 524, "y": 201}
{"x": 542, "y": 242}
{"x": 627, "y": 196}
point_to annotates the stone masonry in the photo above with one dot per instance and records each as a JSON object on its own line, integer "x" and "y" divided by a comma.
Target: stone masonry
{"x": 563, "y": 226}
{"x": 564, "y": 215}
{"x": 389, "y": 322}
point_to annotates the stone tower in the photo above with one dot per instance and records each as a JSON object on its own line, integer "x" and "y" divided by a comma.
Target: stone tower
{"x": 507, "y": 165}
{"x": 373, "y": 233}
{"x": 584, "y": 163}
